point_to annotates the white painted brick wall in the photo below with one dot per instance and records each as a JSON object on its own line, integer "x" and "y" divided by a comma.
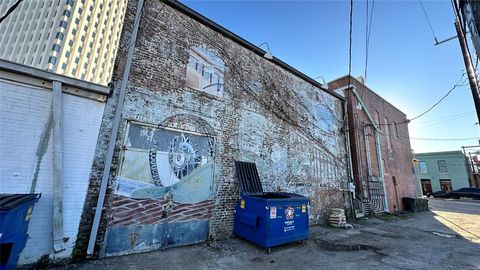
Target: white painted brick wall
{"x": 24, "y": 112}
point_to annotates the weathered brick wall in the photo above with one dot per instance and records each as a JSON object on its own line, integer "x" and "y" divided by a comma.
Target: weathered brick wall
{"x": 397, "y": 158}
{"x": 289, "y": 128}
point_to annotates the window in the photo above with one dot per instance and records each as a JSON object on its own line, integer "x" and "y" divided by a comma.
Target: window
{"x": 67, "y": 54}
{"x": 60, "y": 36}
{"x": 74, "y": 71}
{"x": 82, "y": 38}
{"x": 422, "y": 165}
{"x": 66, "y": 13}
{"x": 442, "y": 166}
{"x": 70, "y": 43}
{"x": 377, "y": 120}
{"x": 56, "y": 47}
{"x": 63, "y": 24}
{"x": 52, "y": 60}
{"x": 70, "y": 2}
{"x": 64, "y": 66}
{"x": 395, "y": 130}
{"x": 387, "y": 133}
{"x": 77, "y": 21}
{"x": 77, "y": 60}
{"x": 74, "y": 31}
{"x": 79, "y": 49}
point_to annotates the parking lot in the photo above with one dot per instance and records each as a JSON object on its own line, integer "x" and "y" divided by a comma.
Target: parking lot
{"x": 447, "y": 237}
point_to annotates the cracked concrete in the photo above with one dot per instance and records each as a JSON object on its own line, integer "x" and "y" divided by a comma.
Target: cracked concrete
{"x": 399, "y": 243}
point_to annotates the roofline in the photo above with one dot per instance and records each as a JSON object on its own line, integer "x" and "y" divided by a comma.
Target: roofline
{"x": 13, "y": 67}
{"x": 439, "y": 153}
{"x": 368, "y": 88}
{"x": 228, "y": 34}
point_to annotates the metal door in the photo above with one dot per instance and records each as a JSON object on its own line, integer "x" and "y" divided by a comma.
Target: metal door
{"x": 163, "y": 191}
{"x": 377, "y": 195}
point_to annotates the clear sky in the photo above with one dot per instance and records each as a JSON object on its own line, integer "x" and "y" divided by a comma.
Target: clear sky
{"x": 404, "y": 66}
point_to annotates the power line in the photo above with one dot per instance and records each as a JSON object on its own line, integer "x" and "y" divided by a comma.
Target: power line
{"x": 461, "y": 82}
{"x": 350, "y": 44}
{"x": 368, "y": 31}
{"x": 428, "y": 20}
{"x": 439, "y": 101}
{"x": 10, "y": 10}
{"x": 445, "y": 139}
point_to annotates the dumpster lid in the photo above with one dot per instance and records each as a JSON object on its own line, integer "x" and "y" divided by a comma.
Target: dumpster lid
{"x": 248, "y": 177}
{"x": 9, "y": 201}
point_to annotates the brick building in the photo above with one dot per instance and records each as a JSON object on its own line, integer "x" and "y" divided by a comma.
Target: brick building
{"x": 199, "y": 98}
{"x": 390, "y": 150}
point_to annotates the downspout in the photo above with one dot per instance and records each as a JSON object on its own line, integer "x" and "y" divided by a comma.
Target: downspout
{"x": 113, "y": 137}
{"x": 57, "y": 219}
{"x": 367, "y": 150}
{"x": 349, "y": 158}
{"x": 377, "y": 144}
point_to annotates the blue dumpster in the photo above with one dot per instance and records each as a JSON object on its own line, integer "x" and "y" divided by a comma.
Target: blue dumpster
{"x": 268, "y": 219}
{"x": 15, "y": 213}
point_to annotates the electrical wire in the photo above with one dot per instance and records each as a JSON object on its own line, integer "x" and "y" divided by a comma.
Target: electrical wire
{"x": 350, "y": 44}
{"x": 461, "y": 82}
{"x": 444, "y": 139}
{"x": 10, "y": 10}
{"x": 368, "y": 31}
{"x": 428, "y": 20}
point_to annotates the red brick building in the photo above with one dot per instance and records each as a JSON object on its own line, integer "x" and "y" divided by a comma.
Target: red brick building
{"x": 379, "y": 139}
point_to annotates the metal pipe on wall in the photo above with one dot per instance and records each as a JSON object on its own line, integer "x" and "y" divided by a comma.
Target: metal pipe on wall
{"x": 113, "y": 137}
{"x": 57, "y": 219}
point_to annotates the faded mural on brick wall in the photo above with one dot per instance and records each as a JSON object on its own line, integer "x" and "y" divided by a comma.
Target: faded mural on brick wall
{"x": 205, "y": 71}
{"x": 165, "y": 182}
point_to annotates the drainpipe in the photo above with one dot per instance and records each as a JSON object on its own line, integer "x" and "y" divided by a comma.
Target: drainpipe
{"x": 113, "y": 137}
{"x": 349, "y": 158}
{"x": 377, "y": 144}
{"x": 57, "y": 219}
{"x": 367, "y": 150}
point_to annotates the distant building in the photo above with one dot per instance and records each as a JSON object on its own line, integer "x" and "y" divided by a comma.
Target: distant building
{"x": 437, "y": 171}
{"x": 386, "y": 159}
{"x": 76, "y": 38}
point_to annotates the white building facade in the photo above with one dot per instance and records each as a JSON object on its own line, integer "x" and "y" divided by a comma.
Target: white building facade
{"x": 29, "y": 111}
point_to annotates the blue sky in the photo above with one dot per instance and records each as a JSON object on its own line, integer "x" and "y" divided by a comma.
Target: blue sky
{"x": 404, "y": 65}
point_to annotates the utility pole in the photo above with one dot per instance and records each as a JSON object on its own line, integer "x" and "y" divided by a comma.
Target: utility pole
{"x": 472, "y": 79}
{"x": 469, "y": 68}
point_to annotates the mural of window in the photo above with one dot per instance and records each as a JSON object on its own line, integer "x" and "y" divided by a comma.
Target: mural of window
{"x": 442, "y": 166}
{"x": 422, "y": 165}
{"x": 205, "y": 71}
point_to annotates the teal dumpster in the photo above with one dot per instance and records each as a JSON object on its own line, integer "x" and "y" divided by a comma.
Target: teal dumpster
{"x": 15, "y": 213}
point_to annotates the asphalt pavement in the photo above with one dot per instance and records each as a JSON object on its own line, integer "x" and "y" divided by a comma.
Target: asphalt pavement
{"x": 443, "y": 238}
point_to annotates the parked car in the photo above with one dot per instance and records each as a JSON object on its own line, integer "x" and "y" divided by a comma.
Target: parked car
{"x": 466, "y": 192}
{"x": 439, "y": 194}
